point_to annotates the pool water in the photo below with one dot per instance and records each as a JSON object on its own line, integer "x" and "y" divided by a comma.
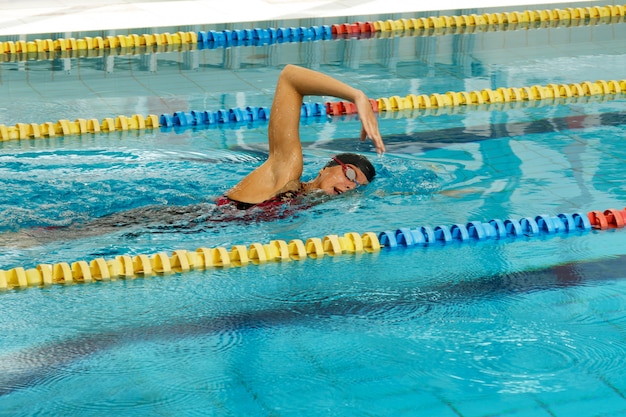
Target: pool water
{"x": 519, "y": 326}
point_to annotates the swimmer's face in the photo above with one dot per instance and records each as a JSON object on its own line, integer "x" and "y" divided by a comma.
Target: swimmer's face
{"x": 338, "y": 179}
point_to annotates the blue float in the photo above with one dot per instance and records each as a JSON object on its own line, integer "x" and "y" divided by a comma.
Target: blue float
{"x": 459, "y": 232}
{"x": 548, "y": 224}
{"x": 388, "y": 238}
{"x": 418, "y": 237}
{"x": 529, "y": 226}
{"x": 568, "y": 221}
{"x": 236, "y": 115}
{"x": 261, "y": 34}
{"x": 495, "y": 229}
{"x": 404, "y": 237}
{"x": 199, "y": 117}
{"x": 428, "y": 233}
{"x": 581, "y": 221}
{"x": 513, "y": 227}
{"x": 222, "y": 116}
{"x": 203, "y": 38}
{"x": 165, "y": 120}
{"x": 476, "y": 230}
{"x": 319, "y": 109}
{"x": 442, "y": 233}
{"x": 284, "y": 33}
{"x": 273, "y": 33}
{"x": 264, "y": 114}
{"x": 218, "y": 38}
{"x": 228, "y": 36}
{"x": 182, "y": 119}
{"x": 317, "y": 32}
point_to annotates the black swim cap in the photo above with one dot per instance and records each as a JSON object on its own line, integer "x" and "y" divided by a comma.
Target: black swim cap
{"x": 358, "y": 161}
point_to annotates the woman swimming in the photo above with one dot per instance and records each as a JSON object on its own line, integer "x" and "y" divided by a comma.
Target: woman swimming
{"x": 271, "y": 187}
{"x": 278, "y": 178}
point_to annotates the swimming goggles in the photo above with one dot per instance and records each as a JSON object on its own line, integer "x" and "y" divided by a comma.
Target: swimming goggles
{"x": 349, "y": 172}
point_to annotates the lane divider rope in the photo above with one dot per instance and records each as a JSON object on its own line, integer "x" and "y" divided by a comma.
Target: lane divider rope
{"x": 180, "y": 261}
{"x": 185, "y": 119}
{"x": 226, "y": 38}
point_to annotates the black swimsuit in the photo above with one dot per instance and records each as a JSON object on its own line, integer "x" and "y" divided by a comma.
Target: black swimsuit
{"x": 271, "y": 207}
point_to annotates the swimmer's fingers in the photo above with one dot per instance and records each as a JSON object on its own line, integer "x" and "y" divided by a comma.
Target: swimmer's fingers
{"x": 375, "y": 136}
{"x": 369, "y": 124}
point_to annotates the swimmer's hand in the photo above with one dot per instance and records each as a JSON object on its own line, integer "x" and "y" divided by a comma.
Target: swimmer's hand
{"x": 369, "y": 123}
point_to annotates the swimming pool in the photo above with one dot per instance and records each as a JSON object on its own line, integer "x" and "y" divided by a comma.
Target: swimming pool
{"x": 517, "y": 326}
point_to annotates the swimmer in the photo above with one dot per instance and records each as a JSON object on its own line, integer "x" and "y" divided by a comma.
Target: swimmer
{"x": 268, "y": 187}
{"x": 278, "y": 179}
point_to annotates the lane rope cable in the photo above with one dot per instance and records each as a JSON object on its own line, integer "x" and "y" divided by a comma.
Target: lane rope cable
{"x": 423, "y": 26}
{"x": 551, "y": 93}
{"x": 180, "y": 261}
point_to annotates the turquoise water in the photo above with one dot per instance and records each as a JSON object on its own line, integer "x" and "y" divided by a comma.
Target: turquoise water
{"x": 527, "y": 326}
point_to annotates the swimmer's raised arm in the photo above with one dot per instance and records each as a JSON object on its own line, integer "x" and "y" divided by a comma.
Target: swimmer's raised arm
{"x": 283, "y": 168}
{"x": 296, "y": 82}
